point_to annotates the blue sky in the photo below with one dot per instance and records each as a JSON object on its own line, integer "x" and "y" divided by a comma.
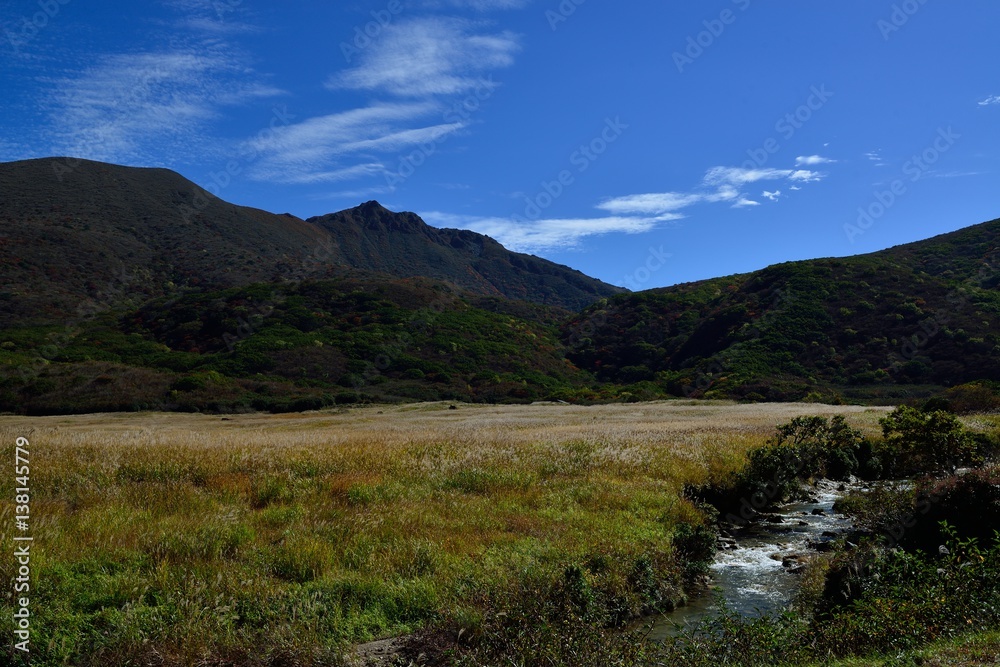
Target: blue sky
{"x": 644, "y": 143}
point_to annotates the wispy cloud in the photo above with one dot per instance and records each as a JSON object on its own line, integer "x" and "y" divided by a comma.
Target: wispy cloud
{"x": 131, "y": 107}
{"x": 876, "y": 157}
{"x": 811, "y": 160}
{"x": 629, "y": 214}
{"x": 357, "y": 195}
{"x": 429, "y": 56}
{"x": 665, "y": 205}
{"x": 155, "y": 105}
{"x": 990, "y": 101}
{"x": 423, "y": 61}
{"x": 214, "y": 17}
{"x": 544, "y": 234}
{"x": 314, "y": 150}
{"x": 655, "y": 204}
{"x": 721, "y": 184}
{"x": 952, "y": 174}
{"x": 740, "y": 176}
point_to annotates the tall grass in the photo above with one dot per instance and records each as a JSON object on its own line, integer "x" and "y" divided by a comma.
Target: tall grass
{"x": 274, "y": 539}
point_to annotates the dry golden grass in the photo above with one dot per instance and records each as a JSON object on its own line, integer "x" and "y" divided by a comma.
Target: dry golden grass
{"x": 194, "y": 535}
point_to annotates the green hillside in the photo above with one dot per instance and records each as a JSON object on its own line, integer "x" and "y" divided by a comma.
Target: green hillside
{"x": 291, "y": 347}
{"x": 924, "y": 316}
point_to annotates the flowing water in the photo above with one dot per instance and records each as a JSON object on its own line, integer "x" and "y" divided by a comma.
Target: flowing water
{"x": 751, "y": 577}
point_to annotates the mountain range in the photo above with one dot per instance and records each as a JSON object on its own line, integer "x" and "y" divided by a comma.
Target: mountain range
{"x": 124, "y": 288}
{"x": 76, "y": 231}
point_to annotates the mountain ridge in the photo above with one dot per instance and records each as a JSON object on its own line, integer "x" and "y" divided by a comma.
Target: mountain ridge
{"x": 470, "y": 260}
{"x": 107, "y": 234}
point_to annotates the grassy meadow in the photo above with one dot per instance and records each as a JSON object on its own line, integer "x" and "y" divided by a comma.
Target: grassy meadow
{"x": 283, "y": 539}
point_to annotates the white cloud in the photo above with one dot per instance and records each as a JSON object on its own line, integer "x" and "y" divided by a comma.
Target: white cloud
{"x": 630, "y": 214}
{"x": 423, "y": 59}
{"x": 541, "y": 235}
{"x": 403, "y": 139}
{"x": 156, "y": 106}
{"x": 990, "y": 101}
{"x": 315, "y": 149}
{"x": 665, "y": 205}
{"x": 740, "y": 176}
{"x": 213, "y": 17}
{"x": 362, "y": 194}
{"x": 724, "y": 193}
{"x": 650, "y": 204}
{"x": 811, "y": 160}
{"x": 429, "y": 56}
{"x": 146, "y": 106}
{"x": 876, "y": 157}
{"x": 806, "y": 176}
{"x": 726, "y": 182}
{"x": 334, "y": 175}
{"x": 952, "y": 174}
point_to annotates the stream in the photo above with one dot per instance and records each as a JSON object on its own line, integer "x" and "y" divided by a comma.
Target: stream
{"x": 749, "y": 574}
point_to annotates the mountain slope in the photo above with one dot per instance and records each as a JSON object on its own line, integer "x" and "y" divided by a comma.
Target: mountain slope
{"x": 401, "y": 244}
{"x": 926, "y": 313}
{"x": 76, "y": 236}
{"x": 99, "y": 234}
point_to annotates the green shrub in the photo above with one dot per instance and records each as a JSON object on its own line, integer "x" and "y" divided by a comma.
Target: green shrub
{"x": 805, "y": 448}
{"x": 917, "y": 441}
{"x": 695, "y": 545}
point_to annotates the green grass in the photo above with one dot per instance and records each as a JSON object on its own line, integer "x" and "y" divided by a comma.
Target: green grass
{"x": 283, "y": 539}
{"x": 268, "y": 538}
